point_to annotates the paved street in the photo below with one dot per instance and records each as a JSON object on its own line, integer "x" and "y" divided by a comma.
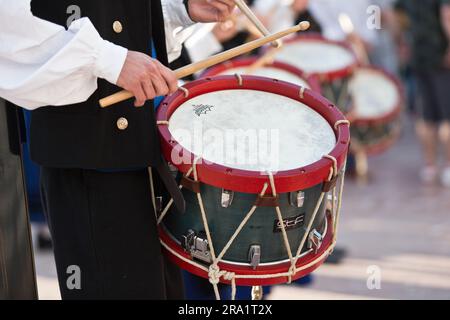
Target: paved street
{"x": 393, "y": 223}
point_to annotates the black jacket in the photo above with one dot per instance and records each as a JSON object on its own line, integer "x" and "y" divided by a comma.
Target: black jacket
{"x": 84, "y": 135}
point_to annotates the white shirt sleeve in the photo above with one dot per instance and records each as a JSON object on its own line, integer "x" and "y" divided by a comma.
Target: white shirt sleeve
{"x": 202, "y": 43}
{"x": 42, "y": 63}
{"x": 176, "y": 20}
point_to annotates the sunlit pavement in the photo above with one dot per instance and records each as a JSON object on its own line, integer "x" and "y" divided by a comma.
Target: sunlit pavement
{"x": 392, "y": 224}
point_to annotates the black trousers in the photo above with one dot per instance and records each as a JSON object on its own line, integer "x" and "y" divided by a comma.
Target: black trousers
{"x": 103, "y": 225}
{"x": 433, "y": 96}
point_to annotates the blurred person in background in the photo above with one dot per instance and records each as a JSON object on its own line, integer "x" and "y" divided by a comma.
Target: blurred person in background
{"x": 328, "y": 12}
{"x": 429, "y": 29}
{"x": 384, "y": 53}
{"x": 278, "y": 15}
{"x": 206, "y": 39}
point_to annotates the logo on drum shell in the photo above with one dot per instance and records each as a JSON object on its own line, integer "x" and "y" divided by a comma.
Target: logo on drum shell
{"x": 200, "y": 109}
{"x": 289, "y": 223}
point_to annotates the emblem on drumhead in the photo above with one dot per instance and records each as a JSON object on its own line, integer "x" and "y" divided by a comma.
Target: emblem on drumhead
{"x": 200, "y": 109}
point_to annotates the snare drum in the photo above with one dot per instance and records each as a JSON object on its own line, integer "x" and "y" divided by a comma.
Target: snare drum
{"x": 377, "y": 104}
{"x": 275, "y": 70}
{"x": 333, "y": 62}
{"x": 250, "y": 221}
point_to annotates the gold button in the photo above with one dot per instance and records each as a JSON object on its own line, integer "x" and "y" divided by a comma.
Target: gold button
{"x": 117, "y": 27}
{"x": 122, "y": 123}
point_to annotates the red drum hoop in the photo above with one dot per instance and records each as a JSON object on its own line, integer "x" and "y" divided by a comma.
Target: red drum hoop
{"x": 250, "y": 181}
{"x": 311, "y": 80}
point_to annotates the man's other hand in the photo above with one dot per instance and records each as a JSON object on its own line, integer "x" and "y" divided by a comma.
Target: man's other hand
{"x": 146, "y": 78}
{"x": 210, "y": 10}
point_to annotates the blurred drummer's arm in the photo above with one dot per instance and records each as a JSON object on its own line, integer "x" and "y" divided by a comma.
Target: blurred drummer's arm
{"x": 203, "y": 43}
{"x": 42, "y": 63}
{"x": 177, "y": 19}
{"x": 176, "y": 24}
{"x": 445, "y": 20}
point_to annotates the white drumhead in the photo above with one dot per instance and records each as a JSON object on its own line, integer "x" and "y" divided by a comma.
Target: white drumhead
{"x": 252, "y": 130}
{"x": 314, "y": 56}
{"x": 270, "y": 72}
{"x": 374, "y": 94}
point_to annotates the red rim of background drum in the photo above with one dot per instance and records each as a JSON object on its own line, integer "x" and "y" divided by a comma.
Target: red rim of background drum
{"x": 325, "y": 76}
{"x": 382, "y": 145}
{"x": 250, "y": 181}
{"x": 274, "y": 268}
{"x": 356, "y": 121}
{"x": 311, "y": 80}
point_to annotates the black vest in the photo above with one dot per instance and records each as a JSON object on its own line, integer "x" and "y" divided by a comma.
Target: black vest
{"x": 84, "y": 135}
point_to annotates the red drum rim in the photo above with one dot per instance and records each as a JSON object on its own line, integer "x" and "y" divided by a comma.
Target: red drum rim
{"x": 250, "y": 181}
{"x": 331, "y": 75}
{"x": 388, "y": 117}
{"x": 307, "y": 263}
{"x": 312, "y": 81}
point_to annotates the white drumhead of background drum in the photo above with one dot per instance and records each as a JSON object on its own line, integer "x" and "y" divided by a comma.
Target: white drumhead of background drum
{"x": 314, "y": 56}
{"x": 374, "y": 94}
{"x": 270, "y": 72}
{"x": 251, "y": 130}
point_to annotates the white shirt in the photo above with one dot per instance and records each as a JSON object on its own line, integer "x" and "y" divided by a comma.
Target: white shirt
{"x": 327, "y": 12}
{"x": 42, "y": 63}
{"x": 201, "y": 42}
{"x": 279, "y": 13}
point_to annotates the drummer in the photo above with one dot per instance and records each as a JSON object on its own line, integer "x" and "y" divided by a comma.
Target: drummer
{"x": 96, "y": 196}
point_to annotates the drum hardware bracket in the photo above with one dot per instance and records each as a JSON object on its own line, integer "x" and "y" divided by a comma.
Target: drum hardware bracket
{"x": 185, "y": 91}
{"x": 239, "y": 79}
{"x": 226, "y": 198}
{"x": 328, "y": 185}
{"x": 158, "y": 204}
{"x": 254, "y": 256}
{"x": 267, "y": 201}
{"x": 172, "y": 168}
{"x": 302, "y": 93}
{"x": 196, "y": 246}
{"x": 315, "y": 240}
{"x": 190, "y": 184}
{"x": 297, "y": 199}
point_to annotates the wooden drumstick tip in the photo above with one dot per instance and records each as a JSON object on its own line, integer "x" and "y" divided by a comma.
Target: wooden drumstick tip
{"x": 304, "y": 25}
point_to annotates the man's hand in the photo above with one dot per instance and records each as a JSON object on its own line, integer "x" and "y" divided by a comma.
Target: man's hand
{"x": 210, "y": 10}
{"x": 146, "y": 78}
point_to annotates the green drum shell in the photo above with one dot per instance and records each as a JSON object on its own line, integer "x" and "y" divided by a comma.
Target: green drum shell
{"x": 371, "y": 136}
{"x": 337, "y": 92}
{"x": 259, "y": 230}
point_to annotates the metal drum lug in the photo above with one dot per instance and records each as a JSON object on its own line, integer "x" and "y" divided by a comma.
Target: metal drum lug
{"x": 226, "y": 198}
{"x": 254, "y": 256}
{"x": 315, "y": 240}
{"x": 297, "y": 199}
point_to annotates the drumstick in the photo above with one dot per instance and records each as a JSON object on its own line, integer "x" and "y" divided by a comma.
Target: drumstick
{"x": 349, "y": 29}
{"x": 254, "y": 19}
{"x": 216, "y": 59}
{"x": 266, "y": 59}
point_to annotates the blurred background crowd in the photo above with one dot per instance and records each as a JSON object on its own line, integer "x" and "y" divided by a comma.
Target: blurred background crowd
{"x": 394, "y": 241}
